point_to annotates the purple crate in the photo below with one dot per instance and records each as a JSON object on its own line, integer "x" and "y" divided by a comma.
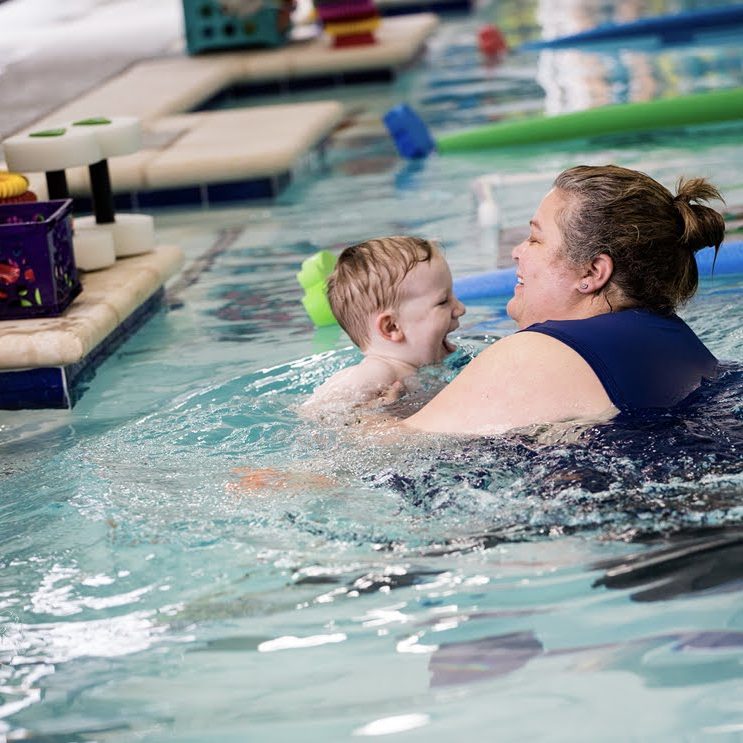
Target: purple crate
{"x": 38, "y": 275}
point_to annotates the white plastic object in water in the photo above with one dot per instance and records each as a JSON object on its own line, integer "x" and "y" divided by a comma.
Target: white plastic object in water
{"x": 133, "y": 234}
{"x": 42, "y": 154}
{"x": 120, "y": 135}
{"x": 93, "y": 244}
{"x": 488, "y": 214}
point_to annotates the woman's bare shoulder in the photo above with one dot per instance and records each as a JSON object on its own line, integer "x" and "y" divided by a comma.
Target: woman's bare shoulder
{"x": 522, "y": 379}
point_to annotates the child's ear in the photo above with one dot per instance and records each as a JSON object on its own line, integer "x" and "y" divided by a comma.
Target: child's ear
{"x": 388, "y": 328}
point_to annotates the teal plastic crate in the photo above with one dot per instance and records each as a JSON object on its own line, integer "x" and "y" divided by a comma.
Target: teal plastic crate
{"x": 209, "y": 27}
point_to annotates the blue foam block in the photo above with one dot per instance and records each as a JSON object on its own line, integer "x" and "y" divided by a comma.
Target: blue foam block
{"x": 410, "y": 134}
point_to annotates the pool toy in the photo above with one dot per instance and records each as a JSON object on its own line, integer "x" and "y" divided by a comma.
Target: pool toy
{"x": 38, "y": 275}
{"x": 132, "y": 233}
{"x": 413, "y": 141}
{"x": 491, "y": 42}
{"x": 14, "y": 188}
{"x": 51, "y": 151}
{"x": 410, "y": 135}
{"x": 313, "y": 279}
{"x": 229, "y": 24}
{"x": 232, "y": 24}
{"x": 103, "y": 237}
{"x": 500, "y": 283}
{"x": 674, "y": 28}
{"x": 12, "y": 185}
{"x": 349, "y": 22}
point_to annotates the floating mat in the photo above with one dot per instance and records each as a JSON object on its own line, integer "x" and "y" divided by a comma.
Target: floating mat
{"x": 500, "y": 283}
{"x": 203, "y": 157}
{"x": 215, "y": 156}
{"x": 700, "y": 108}
{"x": 155, "y": 88}
{"x": 675, "y": 28}
{"x": 43, "y": 361}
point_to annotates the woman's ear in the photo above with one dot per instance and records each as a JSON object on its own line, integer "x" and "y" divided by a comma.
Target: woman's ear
{"x": 597, "y": 274}
{"x": 388, "y": 328}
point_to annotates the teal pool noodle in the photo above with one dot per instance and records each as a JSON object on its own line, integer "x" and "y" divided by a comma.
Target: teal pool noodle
{"x": 699, "y": 108}
{"x": 500, "y": 283}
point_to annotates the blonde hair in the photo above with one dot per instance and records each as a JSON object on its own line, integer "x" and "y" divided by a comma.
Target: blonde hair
{"x": 367, "y": 280}
{"x": 650, "y": 234}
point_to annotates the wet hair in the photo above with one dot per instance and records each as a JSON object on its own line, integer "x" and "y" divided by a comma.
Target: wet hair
{"x": 367, "y": 280}
{"x": 650, "y": 234}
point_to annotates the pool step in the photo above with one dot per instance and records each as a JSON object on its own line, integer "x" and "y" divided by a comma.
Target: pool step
{"x": 45, "y": 362}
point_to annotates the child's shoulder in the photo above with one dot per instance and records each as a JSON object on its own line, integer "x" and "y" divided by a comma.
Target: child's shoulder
{"x": 357, "y": 384}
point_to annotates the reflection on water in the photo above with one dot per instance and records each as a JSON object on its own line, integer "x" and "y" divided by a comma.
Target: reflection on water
{"x": 574, "y": 79}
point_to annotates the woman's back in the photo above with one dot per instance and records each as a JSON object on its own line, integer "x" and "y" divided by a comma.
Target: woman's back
{"x": 643, "y": 360}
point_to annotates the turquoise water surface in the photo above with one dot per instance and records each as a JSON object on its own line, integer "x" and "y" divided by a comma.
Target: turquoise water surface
{"x": 538, "y": 586}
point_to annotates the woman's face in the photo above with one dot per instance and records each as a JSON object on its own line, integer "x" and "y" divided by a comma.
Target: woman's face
{"x": 547, "y": 284}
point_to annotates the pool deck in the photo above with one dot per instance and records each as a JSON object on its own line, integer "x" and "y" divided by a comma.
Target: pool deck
{"x": 44, "y": 360}
{"x": 198, "y": 157}
{"x": 127, "y": 58}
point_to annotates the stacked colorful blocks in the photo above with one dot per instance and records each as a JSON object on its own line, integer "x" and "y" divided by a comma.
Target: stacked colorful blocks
{"x": 348, "y": 22}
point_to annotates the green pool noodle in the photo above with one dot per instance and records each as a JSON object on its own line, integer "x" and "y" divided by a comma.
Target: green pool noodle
{"x": 699, "y": 108}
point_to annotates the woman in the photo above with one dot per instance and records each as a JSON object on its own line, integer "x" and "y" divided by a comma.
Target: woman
{"x": 609, "y": 257}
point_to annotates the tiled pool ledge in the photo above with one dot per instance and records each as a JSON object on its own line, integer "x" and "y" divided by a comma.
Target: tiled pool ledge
{"x": 45, "y": 362}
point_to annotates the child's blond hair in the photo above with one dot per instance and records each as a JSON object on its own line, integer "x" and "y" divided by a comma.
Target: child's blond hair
{"x": 367, "y": 279}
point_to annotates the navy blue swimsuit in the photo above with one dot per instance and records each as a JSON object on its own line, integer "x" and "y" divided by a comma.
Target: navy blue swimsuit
{"x": 642, "y": 359}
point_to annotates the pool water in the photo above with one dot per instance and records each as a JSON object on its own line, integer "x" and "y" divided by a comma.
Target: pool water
{"x": 579, "y": 584}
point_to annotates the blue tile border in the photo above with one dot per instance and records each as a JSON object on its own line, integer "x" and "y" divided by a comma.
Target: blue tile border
{"x": 197, "y": 195}
{"x": 63, "y": 386}
{"x": 238, "y": 91}
{"x": 446, "y": 6}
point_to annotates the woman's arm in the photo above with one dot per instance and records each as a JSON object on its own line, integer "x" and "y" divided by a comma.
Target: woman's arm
{"x": 520, "y": 380}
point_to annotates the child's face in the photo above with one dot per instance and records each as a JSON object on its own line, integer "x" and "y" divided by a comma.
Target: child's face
{"x": 428, "y": 311}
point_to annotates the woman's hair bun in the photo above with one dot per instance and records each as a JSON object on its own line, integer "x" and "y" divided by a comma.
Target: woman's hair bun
{"x": 701, "y": 226}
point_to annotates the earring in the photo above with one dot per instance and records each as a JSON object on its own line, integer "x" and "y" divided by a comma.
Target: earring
{"x": 583, "y": 285}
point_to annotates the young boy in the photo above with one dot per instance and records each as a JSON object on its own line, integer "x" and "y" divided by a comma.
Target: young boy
{"x": 394, "y": 298}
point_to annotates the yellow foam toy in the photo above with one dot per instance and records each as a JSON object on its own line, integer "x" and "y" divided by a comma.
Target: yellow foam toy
{"x": 351, "y": 28}
{"x": 12, "y": 184}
